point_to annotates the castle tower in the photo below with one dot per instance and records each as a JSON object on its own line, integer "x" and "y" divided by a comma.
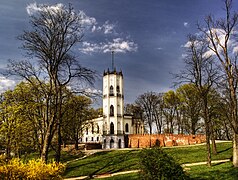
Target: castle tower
{"x": 113, "y": 107}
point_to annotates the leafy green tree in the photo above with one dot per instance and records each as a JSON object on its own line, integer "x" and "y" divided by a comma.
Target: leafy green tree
{"x": 171, "y": 103}
{"x": 17, "y": 128}
{"x": 77, "y": 111}
{"x": 191, "y": 107}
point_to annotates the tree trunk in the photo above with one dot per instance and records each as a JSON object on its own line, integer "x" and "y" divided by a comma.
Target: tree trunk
{"x": 58, "y": 148}
{"x": 207, "y": 128}
{"x": 214, "y": 147}
{"x": 235, "y": 150}
{"x": 47, "y": 142}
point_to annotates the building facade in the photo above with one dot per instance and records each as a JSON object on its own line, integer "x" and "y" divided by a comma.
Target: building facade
{"x": 113, "y": 128}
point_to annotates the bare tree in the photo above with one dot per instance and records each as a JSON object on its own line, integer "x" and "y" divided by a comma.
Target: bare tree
{"x": 199, "y": 70}
{"x": 148, "y": 102}
{"x": 219, "y": 33}
{"x": 55, "y": 31}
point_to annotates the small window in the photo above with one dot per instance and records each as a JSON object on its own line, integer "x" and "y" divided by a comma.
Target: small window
{"x": 111, "y": 91}
{"x": 86, "y": 131}
{"x": 97, "y": 138}
{"x": 92, "y": 139}
{"x": 127, "y": 127}
{"x": 118, "y": 89}
{"x": 98, "y": 129}
{"x": 92, "y": 128}
{"x": 111, "y": 128}
{"x": 86, "y": 139}
{"x": 111, "y": 110}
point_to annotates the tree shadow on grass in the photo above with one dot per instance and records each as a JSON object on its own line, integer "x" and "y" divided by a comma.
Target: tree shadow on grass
{"x": 107, "y": 163}
{"x": 112, "y": 164}
{"x": 224, "y": 150}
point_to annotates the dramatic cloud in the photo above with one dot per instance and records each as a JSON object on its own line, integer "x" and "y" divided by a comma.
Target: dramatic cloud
{"x": 6, "y": 84}
{"x": 219, "y": 42}
{"x": 221, "y": 36}
{"x": 117, "y": 45}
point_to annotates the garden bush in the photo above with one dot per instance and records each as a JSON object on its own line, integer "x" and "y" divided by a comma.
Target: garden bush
{"x": 32, "y": 170}
{"x": 156, "y": 164}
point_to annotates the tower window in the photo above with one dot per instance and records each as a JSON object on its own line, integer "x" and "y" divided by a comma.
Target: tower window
{"x": 127, "y": 127}
{"x": 118, "y": 89}
{"x": 87, "y": 131}
{"x": 111, "y": 91}
{"x": 111, "y": 110}
{"x": 111, "y": 128}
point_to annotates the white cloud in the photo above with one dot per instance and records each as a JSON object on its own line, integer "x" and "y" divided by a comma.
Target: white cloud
{"x": 86, "y": 20}
{"x": 117, "y": 45}
{"x": 106, "y": 28}
{"x": 6, "y": 84}
{"x": 93, "y": 91}
{"x": 34, "y": 8}
{"x": 186, "y": 24}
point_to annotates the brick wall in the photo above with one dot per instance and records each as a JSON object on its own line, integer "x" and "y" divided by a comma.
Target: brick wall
{"x": 146, "y": 140}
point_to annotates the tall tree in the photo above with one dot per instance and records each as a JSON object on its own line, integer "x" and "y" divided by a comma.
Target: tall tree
{"x": 55, "y": 31}
{"x": 200, "y": 71}
{"x": 77, "y": 111}
{"x": 148, "y": 102}
{"x": 191, "y": 106}
{"x": 220, "y": 33}
{"x": 170, "y": 107}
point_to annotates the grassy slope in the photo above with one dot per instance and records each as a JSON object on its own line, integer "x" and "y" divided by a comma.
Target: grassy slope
{"x": 118, "y": 160}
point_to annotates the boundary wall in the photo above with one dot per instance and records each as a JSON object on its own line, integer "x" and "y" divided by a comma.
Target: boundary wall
{"x": 163, "y": 140}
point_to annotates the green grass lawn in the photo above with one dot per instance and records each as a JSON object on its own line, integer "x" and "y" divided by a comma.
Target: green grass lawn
{"x": 124, "y": 160}
{"x": 223, "y": 171}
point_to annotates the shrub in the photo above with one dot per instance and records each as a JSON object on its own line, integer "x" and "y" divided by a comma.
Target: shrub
{"x": 156, "y": 164}
{"x": 33, "y": 170}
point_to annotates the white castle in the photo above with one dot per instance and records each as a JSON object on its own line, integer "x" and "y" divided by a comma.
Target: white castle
{"x": 113, "y": 128}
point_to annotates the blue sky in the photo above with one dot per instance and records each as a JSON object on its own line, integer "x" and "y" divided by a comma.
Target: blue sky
{"x": 148, "y": 36}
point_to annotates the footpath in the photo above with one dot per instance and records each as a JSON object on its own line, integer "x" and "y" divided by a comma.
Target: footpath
{"x": 135, "y": 171}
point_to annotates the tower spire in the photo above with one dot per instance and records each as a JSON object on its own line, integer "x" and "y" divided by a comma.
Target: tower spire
{"x": 113, "y": 59}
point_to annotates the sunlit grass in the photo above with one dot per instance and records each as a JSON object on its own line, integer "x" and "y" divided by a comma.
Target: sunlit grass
{"x": 125, "y": 160}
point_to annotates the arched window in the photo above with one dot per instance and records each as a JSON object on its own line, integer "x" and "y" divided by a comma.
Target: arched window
{"x": 127, "y": 127}
{"x": 118, "y": 89}
{"x": 111, "y": 91}
{"x": 92, "y": 129}
{"x": 111, "y": 128}
{"x": 111, "y": 110}
{"x": 87, "y": 131}
{"x": 119, "y": 143}
{"x": 111, "y": 143}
